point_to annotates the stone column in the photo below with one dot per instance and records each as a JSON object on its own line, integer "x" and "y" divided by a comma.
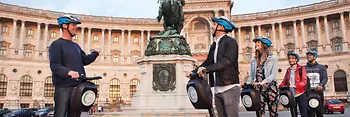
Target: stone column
{"x": 129, "y": 47}
{"x": 46, "y": 36}
{"x": 252, "y": 37}
{"x": 142, "y": 43}
{"x": 37, "y": 46}
{"x": 295, "y": 32}
{"x": 274, "y": 44}
{"x": 82, "y": 38}
{"x": 108, "y": 53}
{"x": 23, "y": 33}
{"x": 240, "y": 46}
{"x": 61, "y": 32}
{"x": 122, "y": 52}
{"x": 14, "y": 38}
{"x": 103, "y": 42}
{"x": 320, "y": 48}
{"x": 259, "y": 30}
{"x": 345, "y": 42}
{"x": 304, "y": 46}
{"x": 109, "y": 41}
{"x": 89, "y": 40}
{"x": 281, "y": 49}
{"x": 328, "y": 44}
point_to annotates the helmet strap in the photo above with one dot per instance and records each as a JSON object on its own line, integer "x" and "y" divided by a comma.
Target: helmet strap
{"x": 68, "y": 31}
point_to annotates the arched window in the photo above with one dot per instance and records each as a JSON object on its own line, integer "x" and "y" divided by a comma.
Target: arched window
{"x": 114, "y": 88}
{"x": 340, "y": 82}
{"x": 133, "y": 85}
{"x": 3, "y": 85}
{"x": 26, "y": 86}
{"x": 49, "y": 89}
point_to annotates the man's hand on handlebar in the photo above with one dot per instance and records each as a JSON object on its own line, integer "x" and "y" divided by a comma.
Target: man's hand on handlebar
{"x": 200, "y": 71}
{"x": 73, "y": 74}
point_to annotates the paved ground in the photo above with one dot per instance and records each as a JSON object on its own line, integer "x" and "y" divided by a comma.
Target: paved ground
{"x": 281, "y": 114}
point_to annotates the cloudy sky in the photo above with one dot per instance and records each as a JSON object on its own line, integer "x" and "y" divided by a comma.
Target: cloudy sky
{"x": 144, "y": 8}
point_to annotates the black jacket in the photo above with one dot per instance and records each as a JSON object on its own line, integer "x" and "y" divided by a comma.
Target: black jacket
{"x": 226, "y": 67}
{"x": 317, "y": 70}
{"x": 65, "y": 56}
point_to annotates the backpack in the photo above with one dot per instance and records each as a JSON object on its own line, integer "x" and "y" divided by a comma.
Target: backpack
{"x": 307, "y": 88}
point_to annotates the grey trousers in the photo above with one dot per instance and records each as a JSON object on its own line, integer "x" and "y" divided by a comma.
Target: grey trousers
{"x": 227, "y": 102}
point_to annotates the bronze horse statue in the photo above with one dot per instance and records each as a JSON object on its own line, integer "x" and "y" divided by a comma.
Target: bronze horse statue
{"x": 172, "y": 11}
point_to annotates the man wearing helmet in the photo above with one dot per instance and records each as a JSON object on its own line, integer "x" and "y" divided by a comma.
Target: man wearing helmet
{"x": 295, "y": 78}
{"x": 67, "y": 61}
{"x": 222, "y": 66}
{"x": 318, "y": 79}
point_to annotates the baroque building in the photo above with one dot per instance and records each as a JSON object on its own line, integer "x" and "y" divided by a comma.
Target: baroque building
{"x": 26, "y": 33}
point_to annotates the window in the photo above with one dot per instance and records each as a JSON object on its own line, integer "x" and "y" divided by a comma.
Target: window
{"x": 311, "y": 29}
{"x": 53, "y": 34}
{"x": 27, "y": 53}
{"x": 49, "y": 89}
{"x": 30, "y": 32}
{"x": 288, "y": 32}
{"x": 335, "y": 25}
{"x": 5, "y": 29}
{"x": 337, "y": 44}
{"x": 340, "y": 83}
{"x": 3, "y": 50}
{"x": 3, "y": 85}
{"x": 312, "y": 45}
{"x": 26, "y": 86}
{"x": 115, "y": 59}
{"x": 135, "y": 58}
{"x": 133, "y": 86}
{"x": 267, "y": 33}
{"x": 136, "y": 40}
{"x": 95, "y": 38}
{"x": 114, "y": 88}
{"x": 247, "y": 36}
{"x": 115, "y": 40}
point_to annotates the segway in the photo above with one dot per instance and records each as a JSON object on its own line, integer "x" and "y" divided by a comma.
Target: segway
{"x": 199, "y": 93}
{"x": 314, "y": 101}
{"x": 84, "y": 94}
{"x": 251, "y": 99}
{"x": 287, "y": 100}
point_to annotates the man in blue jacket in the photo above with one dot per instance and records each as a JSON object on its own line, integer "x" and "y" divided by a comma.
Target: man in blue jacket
{"x": 317, "y": 74}
{"x": 67, "y": 61}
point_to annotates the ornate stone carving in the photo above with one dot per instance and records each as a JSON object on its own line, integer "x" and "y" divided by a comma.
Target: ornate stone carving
{"x": 115, "y": 52}
{"x": 164, "y": 77}
{"x": 200, "y": 46}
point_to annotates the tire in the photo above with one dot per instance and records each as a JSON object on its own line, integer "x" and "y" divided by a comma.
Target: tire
{"x": 331, "y": 112}
{"x": 342, "y": 112}
{"x": 325, "y": 111}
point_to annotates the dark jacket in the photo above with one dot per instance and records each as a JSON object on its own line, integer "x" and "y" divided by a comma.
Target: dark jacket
{"x": 317, "y": 70}
{"x": 300, "y": 81}
{"x": 226, "y": 67}
{"x": 65, "y": 56}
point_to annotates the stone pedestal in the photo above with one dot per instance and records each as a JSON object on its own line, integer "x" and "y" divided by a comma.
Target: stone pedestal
{"x": 162, "y": 89}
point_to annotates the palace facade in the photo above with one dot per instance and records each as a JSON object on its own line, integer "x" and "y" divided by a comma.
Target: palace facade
{"x": 26, "y": 33}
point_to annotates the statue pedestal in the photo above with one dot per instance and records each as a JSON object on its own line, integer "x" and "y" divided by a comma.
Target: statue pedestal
{"x": 162, "y": 90}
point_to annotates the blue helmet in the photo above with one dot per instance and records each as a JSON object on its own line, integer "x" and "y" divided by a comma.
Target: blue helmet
{"x": 312, "y": 52}
{"x": 295, "y": 54}
{"x": 264, "y": 40}
{"x": 226, "y": 22}
{"x": 66, "y": 19}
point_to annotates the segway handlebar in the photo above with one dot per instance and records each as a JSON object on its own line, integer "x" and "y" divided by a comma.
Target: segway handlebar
{"x": 84, "y": 78}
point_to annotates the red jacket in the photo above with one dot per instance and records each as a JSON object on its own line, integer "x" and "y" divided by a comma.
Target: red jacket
{"x": 300, "y": 83}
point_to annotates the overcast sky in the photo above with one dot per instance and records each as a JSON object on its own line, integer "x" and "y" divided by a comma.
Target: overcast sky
{"x": 144, "y": 8}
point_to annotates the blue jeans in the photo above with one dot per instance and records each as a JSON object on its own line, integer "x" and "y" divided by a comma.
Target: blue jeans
{"x": 62, "y": 100}
{"x": 227, "y": 102}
